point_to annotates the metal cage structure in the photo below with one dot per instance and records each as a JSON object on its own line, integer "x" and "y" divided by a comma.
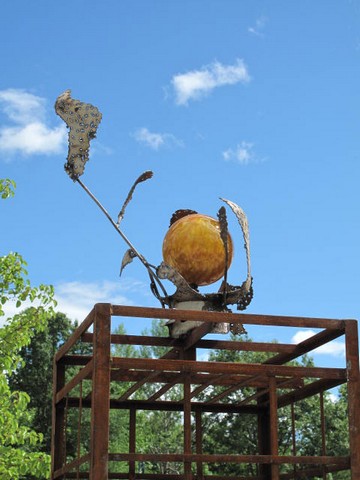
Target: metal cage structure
{"x": 84, "y": 393}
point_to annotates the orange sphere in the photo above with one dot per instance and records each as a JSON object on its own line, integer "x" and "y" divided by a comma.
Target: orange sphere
{"x": 193, "y": 246}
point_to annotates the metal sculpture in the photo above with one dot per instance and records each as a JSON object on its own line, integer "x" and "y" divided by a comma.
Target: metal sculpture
{"x": 83, "y": 119}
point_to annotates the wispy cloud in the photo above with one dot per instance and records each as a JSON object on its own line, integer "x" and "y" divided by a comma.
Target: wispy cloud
{"x": 243, "y": 154}
{"x": 258, "y": 28}
{"x": 334, "y": 348}
{"x": 76, "y": 299}
{"x": 196, "y": 84}
{"x": 25, "y": 130}
{"x": 156, "y": 140}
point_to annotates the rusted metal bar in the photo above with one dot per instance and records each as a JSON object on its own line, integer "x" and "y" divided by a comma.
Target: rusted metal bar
{"x": 169, "y": 406}
{"x": 224, "y": 317}
{"x": 149, "y": 376}
{"x": 166, "y": 388}
{"x": 293, "y": 434}
{"x": 138, "y": 385}
{"x": 75, "y": 336}
{"x": 100, "y": 402}
{"x": 308, "y": 390}
{"x": 202, "y": 387}
{"x": 263, "y": 435}
{"x": 262, "y": 393}
{"x": 323, "y": 430}
{"x": 196, "y": 334}
{"x": 187, "y": 427}
{"x": 343, "y": 461}
{"x": 352, "y": 365}
{"x": 64, "y": 471}
{"x": 198, "y": 443}
{"x": 79, "y": 377}
{"x": 307, "y": 346}
{"x": 230, "y": 390}
{"x": 313, "y": 472}
{"x": 201, "y": 379}
{"x": 132, "y": 441}
{"x": 306, "y": 473}
{"x": 230, "y": 368}
{"x": 58, "y": 422}
{"x": 207, "y": 344}
{"x": 274, "y": 440}
{"x": 79, "y": 427}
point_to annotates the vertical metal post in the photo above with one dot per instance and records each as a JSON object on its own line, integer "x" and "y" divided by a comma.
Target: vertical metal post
{"x": 78, "y": 447}
{"x": 353, "y": 384}
{"x": 199, "y": 450}
{"x": 132, "y": 441}
{"x": 293, "y": 430}
{"x": 264, "y": 443}
{"x": 187, "y": 426}
{"x": 58, "y": 421}
{"x": 100, "y": 399}
{"x": 323, "y": 430}
{"x": 274, "y": 440}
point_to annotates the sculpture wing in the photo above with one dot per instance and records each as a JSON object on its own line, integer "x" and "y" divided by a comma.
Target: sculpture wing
{"x": 82, "y": 120}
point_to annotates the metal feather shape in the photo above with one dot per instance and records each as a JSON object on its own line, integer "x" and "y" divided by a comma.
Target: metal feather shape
{"x": 142, "y": 178}
{"x": 127, "y": 258}
{"x": 82, "y": 119}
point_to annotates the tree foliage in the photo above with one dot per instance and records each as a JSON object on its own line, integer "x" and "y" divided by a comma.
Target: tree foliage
{"x": 19, "y": 443}
{"x": 34, "y": 376}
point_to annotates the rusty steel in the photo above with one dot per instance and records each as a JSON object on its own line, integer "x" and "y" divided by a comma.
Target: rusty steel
{"x": 267, "y": 382}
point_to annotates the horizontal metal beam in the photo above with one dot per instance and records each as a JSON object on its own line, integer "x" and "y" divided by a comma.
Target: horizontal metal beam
{"x": 170, "y": 406}
{"x": 224, "y": 317}
{"x": 214, "y": 458}
{"x": 207, "y": 344}
{"x": 191, "y": 366}
{"x": 307, "y": 346}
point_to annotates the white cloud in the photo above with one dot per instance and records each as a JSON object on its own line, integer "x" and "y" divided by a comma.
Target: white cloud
{"x": 28, "y": 132}
{"x": 156, "y": 140}
{"x": 198, "y": 83}
{"x": 76, "y": 299}
{"x": 334, "y": 348}
{"x": 243, "y": 153}
{"x": 259, "y": 26}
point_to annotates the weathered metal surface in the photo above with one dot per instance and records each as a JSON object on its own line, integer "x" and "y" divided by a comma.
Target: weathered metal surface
{"x": 99, "y": 441}
{"x": 58, "y": 421}
{"x": 220, "y": 367}
{"x": 220, "y": 317}
{"x": 352, "y": 365}
{"x": 179, "y": 365}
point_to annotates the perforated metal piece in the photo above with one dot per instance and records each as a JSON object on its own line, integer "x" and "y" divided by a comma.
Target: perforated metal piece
{"x": 82, "y": 119}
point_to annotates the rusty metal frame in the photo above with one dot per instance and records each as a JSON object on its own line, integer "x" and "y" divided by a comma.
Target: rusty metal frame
{"x": 179, "y": 366}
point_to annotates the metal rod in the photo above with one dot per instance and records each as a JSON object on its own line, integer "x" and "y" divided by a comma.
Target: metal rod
{"x": 79, "y": 428}
{"x": 293, "y": 431}
{"x": 187, "y": 426}
{"x": 323, "y": 432}
{"x": 100, "y": 402}
{"x": 274, "y": 437}
{"x": 132, "y": 441}
{"x": 198, "y": 438}
{"x": 143, "y": 260}
{"x": 352, "y": 362}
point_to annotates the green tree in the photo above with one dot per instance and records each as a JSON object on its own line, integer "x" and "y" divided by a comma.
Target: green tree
{"x": 19, "y": 444}
{"x": 34, "y": 376}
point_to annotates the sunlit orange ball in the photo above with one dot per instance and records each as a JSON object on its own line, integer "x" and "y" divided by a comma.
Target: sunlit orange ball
{"x": 193, "y": 246}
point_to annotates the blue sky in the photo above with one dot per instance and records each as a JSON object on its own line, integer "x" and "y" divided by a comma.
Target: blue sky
{"x": 254, "y": 101}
